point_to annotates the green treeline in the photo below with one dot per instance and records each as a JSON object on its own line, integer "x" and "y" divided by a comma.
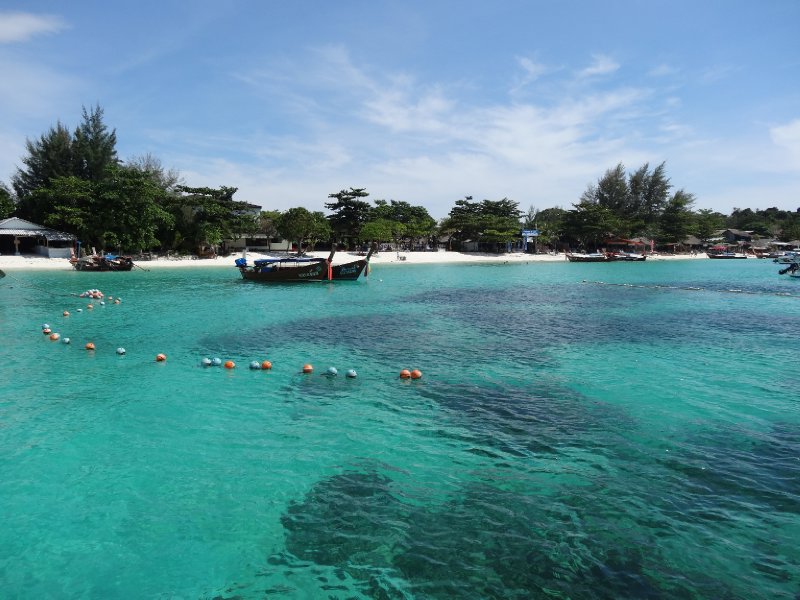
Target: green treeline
{"x": 75, "y": 182}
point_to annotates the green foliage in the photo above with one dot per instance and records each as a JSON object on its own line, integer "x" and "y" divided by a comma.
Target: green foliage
{"x": 348, "y": 212}
{"x": 637, "y": 201}
{"x": 48, "y": 157}
{"x": 268, "y": 224}
{"x": 7, "y": 206}
{"x": 589, "y": 223}
{"x": 86, "y": 154}
{"x": 677, "y": 220}
{"x": 409, "y": 222}
{"x": 300, "y": 225}
{"x": 205, "y": 216}
{"x": 93, "y": 146}
{"x": 489, "y": 221}
{"x": 706, "y": 223}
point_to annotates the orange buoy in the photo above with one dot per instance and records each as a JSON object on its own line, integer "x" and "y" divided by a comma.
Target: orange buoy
{"x": 405, "y": 374}
{"x": 161, "y": 357}
{"x": 90, "y": 306}
{"x": 308, "y": 369}
{"x": 46, "y": 331}
{"x": 229, "y": 364}
{"x": 54, "y": 336}
{"x": 416, "y": 374}
{"x": 66, "y": 313}
{"x": 90, "y": 345}
{"x": 266, "y": 365}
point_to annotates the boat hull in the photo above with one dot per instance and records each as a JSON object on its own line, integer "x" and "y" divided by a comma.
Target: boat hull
{"x": 100, "y": 263}
{"x": 349, "y": 271}
{"x": 726, "y": 255}
{"x": 587, "y": 258}
{"x": 317, "y": 271}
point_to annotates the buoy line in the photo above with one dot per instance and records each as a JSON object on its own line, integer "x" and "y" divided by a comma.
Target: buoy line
{"x": 691, "y": 288}
{"x": 35, "y": 287}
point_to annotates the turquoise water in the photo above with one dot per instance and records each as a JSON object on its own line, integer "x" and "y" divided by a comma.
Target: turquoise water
{"x": 580, "y": 431}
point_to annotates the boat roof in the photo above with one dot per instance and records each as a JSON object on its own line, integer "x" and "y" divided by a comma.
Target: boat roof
{"x": 266, "y": 261}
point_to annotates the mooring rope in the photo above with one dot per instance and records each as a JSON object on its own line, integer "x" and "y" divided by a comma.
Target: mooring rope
{"x": 36, "y": 287}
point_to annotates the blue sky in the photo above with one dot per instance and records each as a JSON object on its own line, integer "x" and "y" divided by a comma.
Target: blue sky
{"x": 421, "y": 101}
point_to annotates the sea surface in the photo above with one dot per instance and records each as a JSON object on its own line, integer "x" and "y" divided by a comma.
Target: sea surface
{"x": 579, "y": 431}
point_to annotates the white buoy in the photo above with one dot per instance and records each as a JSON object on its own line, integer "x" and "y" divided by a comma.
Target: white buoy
{"x": 332, "y": 371}
{"x": 120, "y": 351}
{"x": 351, "y": 373}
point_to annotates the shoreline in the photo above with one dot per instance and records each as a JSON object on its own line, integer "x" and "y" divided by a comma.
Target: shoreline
{"x": 31, "y": 262}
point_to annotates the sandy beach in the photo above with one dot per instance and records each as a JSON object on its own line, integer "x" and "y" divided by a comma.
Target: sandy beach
{"x": 30, "y": 262}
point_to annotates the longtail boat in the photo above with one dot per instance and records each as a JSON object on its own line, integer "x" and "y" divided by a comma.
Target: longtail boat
{"x": 108, "y": 262}
{"x": 287, "y": 269}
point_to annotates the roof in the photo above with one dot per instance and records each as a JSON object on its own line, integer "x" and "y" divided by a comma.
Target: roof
{"x": 22, "y": 228}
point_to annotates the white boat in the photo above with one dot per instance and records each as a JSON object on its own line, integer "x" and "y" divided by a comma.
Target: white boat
{"x": 726, "y": 255}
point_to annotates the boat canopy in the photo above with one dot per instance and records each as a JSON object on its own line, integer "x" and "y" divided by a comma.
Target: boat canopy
{"x": 270, "y": 261}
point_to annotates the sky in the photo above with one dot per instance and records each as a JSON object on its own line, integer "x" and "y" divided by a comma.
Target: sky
{"x": 422, "y": 101}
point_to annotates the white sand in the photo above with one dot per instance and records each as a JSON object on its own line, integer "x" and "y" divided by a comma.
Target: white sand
{"x": 33, "y": 262}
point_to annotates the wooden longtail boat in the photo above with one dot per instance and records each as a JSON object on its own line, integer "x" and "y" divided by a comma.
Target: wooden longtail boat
{"x": 288, "y": 269}
{"x": 96, "y": 262}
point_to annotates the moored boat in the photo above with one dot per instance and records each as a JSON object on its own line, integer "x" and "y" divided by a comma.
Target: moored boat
{"x": 287, "y": 269}
{"x": 582, "y": 257}
{"x": 726, "y": 255}
{"x": 627, "y": 256}
{"x": 107, "y": 262}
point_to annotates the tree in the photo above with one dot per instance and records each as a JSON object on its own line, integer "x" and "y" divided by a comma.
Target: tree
{"x": 491, "y": 221}
{"x": 205, "y": 216}
{"x": 590, "y": 222}
{"x": 7, "y": 206}
{"x": 166, "y": 179}
{"x": 93, "y": 147}
{"x": 268, "y": 224}
{"x": 636, "y": 201}
{"x": 48, "y": 157}
{"x": 133, "y": 210}
{"x": 297, "y": 224}
{"x": 320, "y": 228}
{"x": 706, "y": 223}
{"x": 349, "y": 213}
{"x": 71, "y": 206}
{"x": 550, "y": 223}
{"x": 415, "y": 221}
{"x": 677, "y": 219}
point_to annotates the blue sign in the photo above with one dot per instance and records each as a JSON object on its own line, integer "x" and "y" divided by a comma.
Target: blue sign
{"x": 530, "y": 232}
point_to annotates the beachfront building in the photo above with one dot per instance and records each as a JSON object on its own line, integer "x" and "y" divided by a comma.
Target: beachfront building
{"x": 18, "y": 236}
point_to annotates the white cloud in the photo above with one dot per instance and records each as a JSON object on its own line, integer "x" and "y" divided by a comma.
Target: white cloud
{"x": 602, "y": 65}
{"x": 787, "y": 136}
{"x": 663, "y": 70}
{"x": 20, "y": 27}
